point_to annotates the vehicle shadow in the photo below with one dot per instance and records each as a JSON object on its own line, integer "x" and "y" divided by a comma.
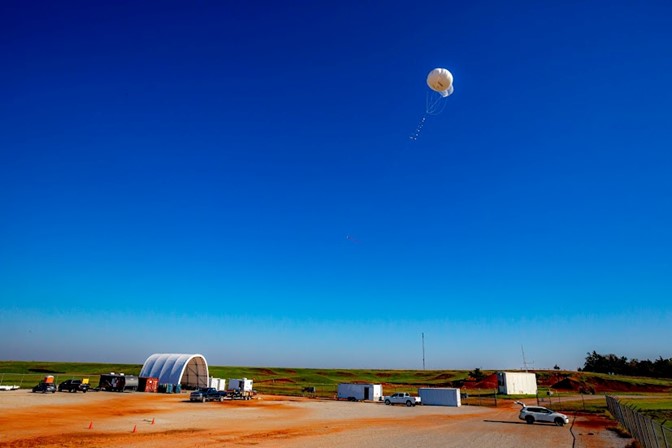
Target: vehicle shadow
{"x": 505, "y": 421}
{"x": 540, "y": 424}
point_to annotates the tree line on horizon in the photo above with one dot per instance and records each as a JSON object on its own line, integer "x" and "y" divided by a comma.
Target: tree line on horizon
{"x": 613, "y": 364}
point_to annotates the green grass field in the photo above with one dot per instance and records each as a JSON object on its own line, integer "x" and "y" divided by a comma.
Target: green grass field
{"x": 284, "y": 381}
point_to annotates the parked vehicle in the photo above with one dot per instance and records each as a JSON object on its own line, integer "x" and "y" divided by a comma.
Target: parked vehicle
{"x": 402, "y": 398}
{"x": 74, "y": 385}
{"x": 207, "y": 394}
{"x": 45, "y": 387}
{"x": 533, "y": 414}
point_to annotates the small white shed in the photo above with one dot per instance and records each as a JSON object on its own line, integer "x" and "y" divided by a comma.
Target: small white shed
{"x": 516, "y": 383}
{"x": 440, "y": 396}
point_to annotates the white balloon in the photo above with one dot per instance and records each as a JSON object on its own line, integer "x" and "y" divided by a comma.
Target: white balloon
{"x": 440, "y": 80}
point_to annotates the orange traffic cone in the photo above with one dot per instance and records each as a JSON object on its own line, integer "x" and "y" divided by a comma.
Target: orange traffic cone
{"x": 135, "y": 428}
{"x": 91, "y": 425}
{"x": 152, "y": 420}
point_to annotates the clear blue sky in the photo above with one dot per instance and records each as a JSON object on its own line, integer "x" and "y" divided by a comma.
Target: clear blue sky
{"x": 236, "y": 179}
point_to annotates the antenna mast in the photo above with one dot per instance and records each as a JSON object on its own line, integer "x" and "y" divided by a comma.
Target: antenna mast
{"x": 423, "y": 351}
{"x": 524, "y": 360}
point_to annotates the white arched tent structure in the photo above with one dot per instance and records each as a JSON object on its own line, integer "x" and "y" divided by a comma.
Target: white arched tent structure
{"x": 190, "y": 371}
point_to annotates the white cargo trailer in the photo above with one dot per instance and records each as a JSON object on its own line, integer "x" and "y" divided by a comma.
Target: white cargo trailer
{"x": 440, "y": 396}
{"x": 516, "y": 383}
{"x": 217, "y": 383}
{"x": 359, "y": 392}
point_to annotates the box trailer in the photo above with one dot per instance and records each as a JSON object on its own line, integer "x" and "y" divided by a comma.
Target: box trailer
{"x": 217, "y": 383}
{"x": 440, "y": 396}
{"x": 516, "y": 383}
{"x": 359, "y": 392}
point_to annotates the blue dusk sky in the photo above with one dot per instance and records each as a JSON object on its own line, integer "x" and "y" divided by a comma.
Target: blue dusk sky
{"x": 236, "y": 179}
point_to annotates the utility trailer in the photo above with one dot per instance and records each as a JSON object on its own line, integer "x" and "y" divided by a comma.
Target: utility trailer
{"x": 118, "y": 382}
{"x": 240, "y": 389}
{"x": 359, "y": 392}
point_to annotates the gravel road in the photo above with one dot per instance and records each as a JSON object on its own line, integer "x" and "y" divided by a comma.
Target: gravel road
{"x": 104, "y": 419}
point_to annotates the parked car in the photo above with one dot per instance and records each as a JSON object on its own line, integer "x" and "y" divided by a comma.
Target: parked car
{"x": 533, "y": 414}
{"x": 73, "y": 386}
{"x": 402, "y": 398}
{"x": 207, "y": 394}
{"x": 45, "y": 387}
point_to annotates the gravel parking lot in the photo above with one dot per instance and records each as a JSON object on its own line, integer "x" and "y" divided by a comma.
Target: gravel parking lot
{"x": 103, "y": 419}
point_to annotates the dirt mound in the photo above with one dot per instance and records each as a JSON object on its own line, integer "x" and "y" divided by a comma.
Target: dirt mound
{"x": 594, "y": 385}
{"x": 574, "y": 385}
{"x": 608, "y": 385}
{"x": 444, "y": 376}
{"x": 488, "y": 382}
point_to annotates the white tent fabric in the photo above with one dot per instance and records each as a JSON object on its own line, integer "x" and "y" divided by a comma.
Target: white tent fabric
{"x": 176, "y": 368}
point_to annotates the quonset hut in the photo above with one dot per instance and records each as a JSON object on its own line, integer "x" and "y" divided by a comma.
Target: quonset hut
{"x": 188, "y": 371}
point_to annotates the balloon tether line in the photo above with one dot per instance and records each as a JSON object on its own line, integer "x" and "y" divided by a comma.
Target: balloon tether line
{"x": 418, "y": 129}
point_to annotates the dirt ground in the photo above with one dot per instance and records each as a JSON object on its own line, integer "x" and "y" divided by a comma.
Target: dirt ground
{"x": 104, "y": 419}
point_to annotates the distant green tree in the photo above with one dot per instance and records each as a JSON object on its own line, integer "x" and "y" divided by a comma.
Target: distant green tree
{"x": 660, "y": 368}
{"x": 477, "y": 374}
{"x": 556, "y": 367}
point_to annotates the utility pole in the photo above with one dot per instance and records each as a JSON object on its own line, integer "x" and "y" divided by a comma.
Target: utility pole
{"x": 524, "y": 360}
{"x": 423, "y": 351}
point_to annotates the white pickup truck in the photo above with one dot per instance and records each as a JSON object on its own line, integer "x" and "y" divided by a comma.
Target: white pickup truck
{"x": 402, "y": 398}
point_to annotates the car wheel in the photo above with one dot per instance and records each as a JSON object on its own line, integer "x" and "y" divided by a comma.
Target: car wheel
{"x": 387, "y": 402}
{"x": 529, "y": 419}
{"x": 559, "y": 422}
{"x": 409, "y": 403}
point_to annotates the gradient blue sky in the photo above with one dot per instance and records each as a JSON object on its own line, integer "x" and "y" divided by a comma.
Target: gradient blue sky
{"x": 236, "y": 179}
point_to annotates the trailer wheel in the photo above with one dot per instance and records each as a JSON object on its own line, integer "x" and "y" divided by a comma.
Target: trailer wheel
{"x": 409, "y": 403}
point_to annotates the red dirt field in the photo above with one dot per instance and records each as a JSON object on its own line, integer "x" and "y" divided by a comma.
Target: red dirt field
{"x": 102, "y": 419}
